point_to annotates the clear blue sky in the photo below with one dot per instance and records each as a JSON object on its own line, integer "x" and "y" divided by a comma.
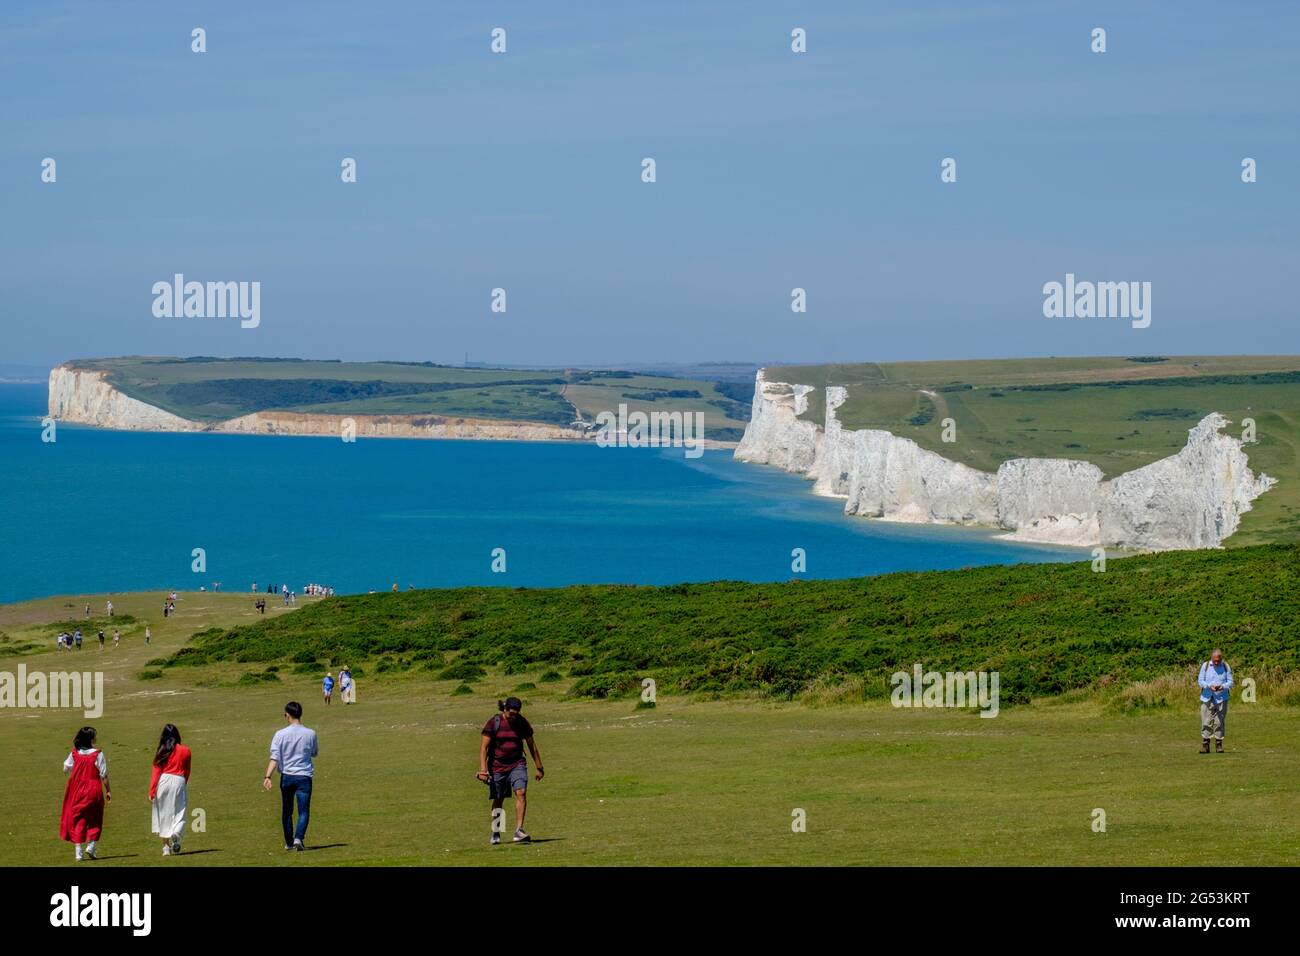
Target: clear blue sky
{"x": 522, "y": 170}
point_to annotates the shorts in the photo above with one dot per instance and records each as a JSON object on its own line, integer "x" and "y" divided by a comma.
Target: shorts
{"x": 504, "y": 782}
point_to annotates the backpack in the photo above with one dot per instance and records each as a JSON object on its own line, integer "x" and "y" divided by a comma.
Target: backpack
{"x": 492, "y": 742}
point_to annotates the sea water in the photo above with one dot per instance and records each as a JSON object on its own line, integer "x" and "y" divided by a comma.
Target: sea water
{"x": 99, "y": 510}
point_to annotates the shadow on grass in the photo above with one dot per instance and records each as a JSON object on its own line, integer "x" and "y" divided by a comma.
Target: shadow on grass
{"x": 211, "y": 849}
{"x": 324, "y": 846}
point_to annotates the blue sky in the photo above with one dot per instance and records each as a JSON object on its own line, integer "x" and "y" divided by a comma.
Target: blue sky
{"x": 522, "y": 171}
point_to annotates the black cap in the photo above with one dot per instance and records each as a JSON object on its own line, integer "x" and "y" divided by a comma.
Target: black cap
{"x": 514, "y": 703}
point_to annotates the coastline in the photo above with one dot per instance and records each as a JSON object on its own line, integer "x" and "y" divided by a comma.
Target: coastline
{"x": 85, "y": 397}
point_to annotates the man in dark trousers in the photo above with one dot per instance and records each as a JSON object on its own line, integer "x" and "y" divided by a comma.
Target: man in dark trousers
{"x": 293, "y": 750}
{"x": 503, "y": 766}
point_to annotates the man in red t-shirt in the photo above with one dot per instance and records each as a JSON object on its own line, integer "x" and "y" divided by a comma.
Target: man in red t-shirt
{"x": 503, "y": 766}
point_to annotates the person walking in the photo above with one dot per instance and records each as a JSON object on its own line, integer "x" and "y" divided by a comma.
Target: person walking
{"x": 82, "y": 819}
{"x": 169, "y": 789}
{"x": 109, "y": 605}
{"x": 327, "y": 685}
{"x": 1215, "y": 681}
{"x": 504, "y": 767}
{"x": 101, "y": 638}
{"x": 76, "y": 636}
{"x": 117, "y": 638}
{"x": 147, "y": 635}
{"x": 292, "y": 751}
{"x": 347, "y": 686}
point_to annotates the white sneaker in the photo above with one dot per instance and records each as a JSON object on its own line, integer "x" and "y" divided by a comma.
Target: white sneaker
{"x": 167, "y": 849}
{"x": 78, "y": 852}
{"x": 90, "y": 850}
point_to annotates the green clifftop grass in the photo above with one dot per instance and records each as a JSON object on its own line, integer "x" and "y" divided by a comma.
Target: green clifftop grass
{"x": 1046, "y": 628}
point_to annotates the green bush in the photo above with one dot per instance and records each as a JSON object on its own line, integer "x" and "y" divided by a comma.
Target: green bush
{"x": 1046, "y": 628}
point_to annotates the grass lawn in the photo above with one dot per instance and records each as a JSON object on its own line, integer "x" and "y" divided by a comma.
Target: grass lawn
{"x": 688, "y": 782}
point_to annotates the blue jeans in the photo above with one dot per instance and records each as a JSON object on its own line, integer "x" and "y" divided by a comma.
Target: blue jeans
{"x": 291, "y": 788}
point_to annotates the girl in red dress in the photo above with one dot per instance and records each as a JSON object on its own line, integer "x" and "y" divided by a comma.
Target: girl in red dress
{"x": 83, "y": 801}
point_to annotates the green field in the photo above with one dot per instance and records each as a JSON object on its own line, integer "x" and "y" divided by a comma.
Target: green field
{"x": 1118, "y": 413}
{"x": 214, "y": 390}
{"x": 771, "y": 700}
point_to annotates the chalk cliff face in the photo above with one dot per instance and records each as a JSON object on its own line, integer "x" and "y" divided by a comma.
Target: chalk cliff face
{"x": 396, "y": 426}
{"x": 1193, "y": 499}
{"x": 85, "y": 397}
{"x": 82, "y": 396}
{"x": 775, "y": 436}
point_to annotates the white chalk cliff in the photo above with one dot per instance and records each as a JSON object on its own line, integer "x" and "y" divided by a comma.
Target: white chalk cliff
{"x": 1193, "y": 499}
{"x": 85, "y": 397}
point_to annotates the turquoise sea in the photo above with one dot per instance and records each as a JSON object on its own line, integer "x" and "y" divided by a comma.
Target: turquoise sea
{"x": 100, "y": 511}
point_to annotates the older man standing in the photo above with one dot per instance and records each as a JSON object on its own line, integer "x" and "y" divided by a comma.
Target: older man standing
{"x": 1215, "y": 681}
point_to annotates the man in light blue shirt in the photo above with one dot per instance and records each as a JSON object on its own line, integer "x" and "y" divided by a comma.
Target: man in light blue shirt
{"x": 292, "y": 750}
{"x": 1215, "y": 681}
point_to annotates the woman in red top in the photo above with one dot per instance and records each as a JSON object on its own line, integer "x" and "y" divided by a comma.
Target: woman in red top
{"x": 169, "y": 789}
{"x": 82, "y": 820}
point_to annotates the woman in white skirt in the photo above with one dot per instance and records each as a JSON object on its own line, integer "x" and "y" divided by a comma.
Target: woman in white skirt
{"x": 168, "y": 790}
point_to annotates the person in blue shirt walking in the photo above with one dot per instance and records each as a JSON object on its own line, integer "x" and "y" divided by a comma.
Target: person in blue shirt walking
{"x": 327, "y": 685}
{"x": 1215, "y": 681}
{"x": 292, "y": 751}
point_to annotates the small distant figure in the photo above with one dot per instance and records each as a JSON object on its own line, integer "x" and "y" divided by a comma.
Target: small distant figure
{"x": 394, "y": 586}
{"x": 77, "y": 637}
{"x": 147, "y": 636}
{"x": 169, "y": 789}
{"x": 1215, "y": 681}
{"x": 254, "y": 587}
{"x": 110, "y": 608}
{"x": 260, "y": 605}
{"x": 117, "y": 638}
{"x": 286, "y": 598}
{"x": 216, "y": 585}
{"x": 347, "y": 686}
{"x": 101, "y": 638}
{"x": 82, "y": 820}
{"x": 167, "y": 609}
{"x": 87, "y": 612}
{"x": 327, "y": 685}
